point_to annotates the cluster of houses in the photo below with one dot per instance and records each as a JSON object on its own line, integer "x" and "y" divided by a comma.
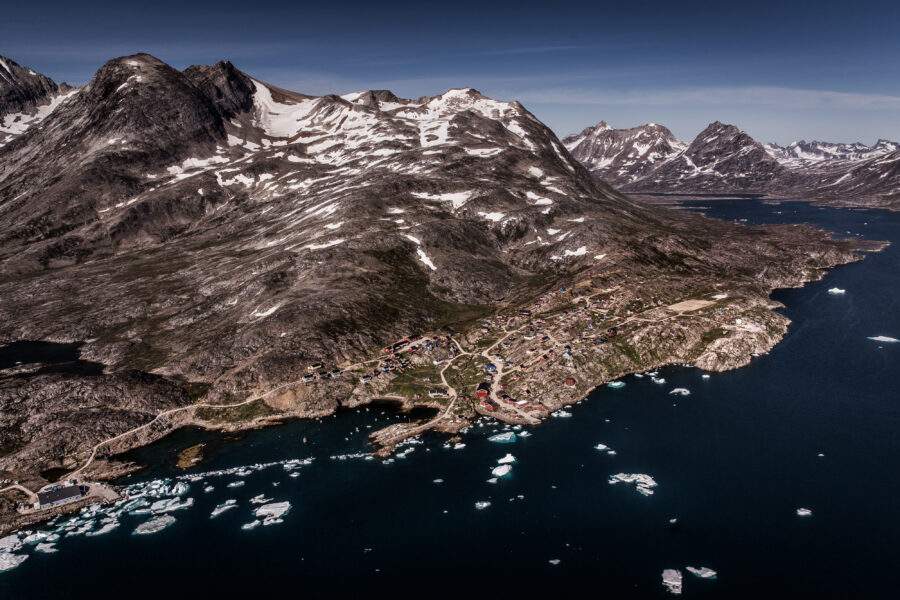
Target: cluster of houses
{"x": 320, "y": 373}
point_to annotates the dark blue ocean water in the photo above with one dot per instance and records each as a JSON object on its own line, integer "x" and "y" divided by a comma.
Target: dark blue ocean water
{"x": 733, "y": 461}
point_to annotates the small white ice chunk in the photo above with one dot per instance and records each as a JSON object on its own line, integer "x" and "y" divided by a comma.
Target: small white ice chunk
{"x": 482, "y": 504}
{"x": 702, "y": 572}
{"x": 671, "y": 578}
{"x": 501, "y": 471}
{"x": 804, "y": 512}
{"x": 643, "y": 483}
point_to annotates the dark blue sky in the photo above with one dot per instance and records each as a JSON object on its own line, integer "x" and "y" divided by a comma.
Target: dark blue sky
{"x": 780, "y": 70}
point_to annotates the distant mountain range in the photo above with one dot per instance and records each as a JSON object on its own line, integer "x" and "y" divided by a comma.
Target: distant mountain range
{"x": 724, "y": 159}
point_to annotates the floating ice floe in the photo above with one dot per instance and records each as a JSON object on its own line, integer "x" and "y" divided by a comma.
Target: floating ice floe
{"x": 225, "y": 506}
{"x": 681, "y": 391}
{"x": 671, "y": 578}
{"x": 658, "y": 380}
{"x": 561, "y": 413}
{"x": 235, "y": 484}
{"x": 208, "y": 489}
{"x": 705, "y": 376}
{"x": 804, "y": 512}
{"x": 8, "y": 560}
{"x": 508, "y": 459}
{"x": 601, "y": 447}
{"x": 154, "y": 525}
{"x": 492, "y": 480}
{"x": 170, "y": 504}
{"x": 525, "y": 434}
{"x": 437, "y": 481}
{"x": 482, "y": 505}
{"x": 501, "y": 471}
{"x": 836, "y": 291}
{"x": 616, "y": 384}
{"x": 260, "y": 499}
{"x": 506, "y": 437}
{"x": 105, "y": 527}
{"x": 251, "y": 525}
{"x": 10, "y": 543}
{"x": 272, "y": 513}
{"x": 643, "y": 483}
{"x": 884, "y": 338}
{"x": 554, "y": 561}
{"x": 46, "y": 548}
{"x": 702, "y": 572}
{"x": 34, "y": 538}
{"x": 459, "y": 446}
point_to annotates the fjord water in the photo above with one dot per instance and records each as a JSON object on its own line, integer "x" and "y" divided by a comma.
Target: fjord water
{"x": 733, "y": 462}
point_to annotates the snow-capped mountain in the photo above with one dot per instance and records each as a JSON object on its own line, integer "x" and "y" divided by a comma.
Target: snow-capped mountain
{"x": 26, "y": 98}
{"x": 803, "y": 153}
{"x": 724, "y": 159}
{"x": 620, "y": 156}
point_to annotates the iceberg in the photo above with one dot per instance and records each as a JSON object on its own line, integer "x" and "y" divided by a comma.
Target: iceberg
{"x": 154, "y": 525}
{"x": 525, "y": 434}
{"x": 554, "y": 561}
{"x": 235, "y": 484}
{"x": 459, "y": 446}
{"x": 671, "y": 578}
{"x": 836, "y": 291}
{"x": 227, "y": 505}
{"x": 260, "y": 499}
{"x": 506, "y": 437}
{"x": 251, "y": 525}
{"x": 702, "y": 572}
{"x": 601, "y": 447}
{"x": 482, "y": 505}
{"x": 643, "y": 483}
{"x": 208, "y": 489}
{"x": 437, "y": 481}
{"x": 8, "y": 560}
{"x": 506, "y": 460}
{"x": 616, "y": 384}
{"x": 492, "y": 480}
{"x": 681, "y": 391}
{"x": 561, "y": 413}
{"x": 804, "y": 512}
{"x": 501, "y": 471}
{"x": 658, "y": 380}
{"x": 884, "y": 338}
{"x": 46, "y": 548}
{"x": 272, "y": 513}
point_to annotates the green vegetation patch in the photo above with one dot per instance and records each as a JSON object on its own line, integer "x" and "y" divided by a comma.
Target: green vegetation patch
{"x": 236, "y": 414}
